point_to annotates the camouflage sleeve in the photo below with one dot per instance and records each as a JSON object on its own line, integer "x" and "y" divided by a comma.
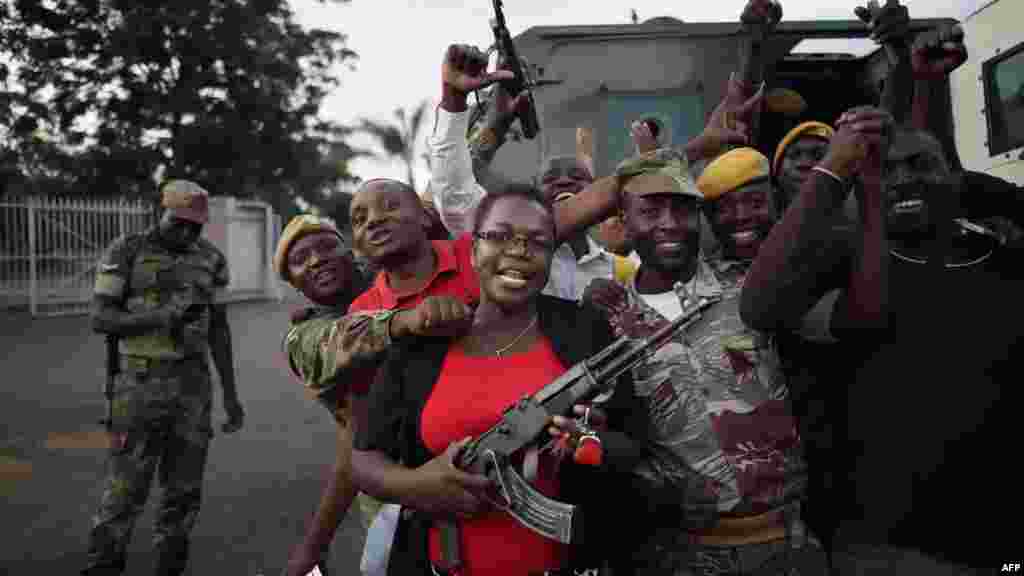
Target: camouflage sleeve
{"x": 114, "y": 269}
{"x": 326, "y": 351}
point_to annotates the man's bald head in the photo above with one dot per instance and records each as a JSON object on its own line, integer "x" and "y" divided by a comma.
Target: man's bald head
{"x": 388, "y": 221}
{"x": 389, "y": 184}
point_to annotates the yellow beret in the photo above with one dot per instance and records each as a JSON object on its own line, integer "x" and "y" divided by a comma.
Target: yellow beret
{"x": 300, "y": 226}
{"x": 731, "y": 170}
{"x": 818, "y": 129}
{"x": 187, "y": 200}
{"x": 785, "y": 101}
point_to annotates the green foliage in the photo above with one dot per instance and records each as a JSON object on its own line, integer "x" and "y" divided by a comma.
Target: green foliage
{"x": 130, "y": 92}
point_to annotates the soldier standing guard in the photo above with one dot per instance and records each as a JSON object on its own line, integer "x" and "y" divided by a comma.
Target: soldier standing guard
{"x": 157, "y": 293}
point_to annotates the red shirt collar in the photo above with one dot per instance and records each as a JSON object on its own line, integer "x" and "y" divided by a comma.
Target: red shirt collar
{"x": 444, "y": 251}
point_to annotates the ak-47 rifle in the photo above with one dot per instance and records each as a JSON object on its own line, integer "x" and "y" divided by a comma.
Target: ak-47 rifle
{"x": 521, "y": 81}
{"x": 524, "y": 424}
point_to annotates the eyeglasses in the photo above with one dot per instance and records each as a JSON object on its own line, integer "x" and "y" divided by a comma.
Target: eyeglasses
{"x": 531, "y": 244}
{"x": 323, "y": 250}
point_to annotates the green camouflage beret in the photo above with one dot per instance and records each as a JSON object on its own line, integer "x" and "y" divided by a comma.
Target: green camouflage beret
{"x": 661, "y": 171}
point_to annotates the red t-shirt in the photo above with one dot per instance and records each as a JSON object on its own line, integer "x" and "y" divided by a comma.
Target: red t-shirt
{"x": 453, "y": 276}
{"x": 469, "y": 397}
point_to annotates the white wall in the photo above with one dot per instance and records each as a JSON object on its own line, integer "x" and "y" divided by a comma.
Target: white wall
{"x": 996, "y": 28}
{"x": 245, "y": 231}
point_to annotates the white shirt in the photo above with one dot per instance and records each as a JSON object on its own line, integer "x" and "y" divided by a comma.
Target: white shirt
{"x": 457, "y": 193}
{"x": 570, "y": 277}
{"x": 455, "y": 189}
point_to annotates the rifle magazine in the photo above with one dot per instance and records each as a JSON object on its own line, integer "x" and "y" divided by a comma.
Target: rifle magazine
{"x": 545, "y": 516}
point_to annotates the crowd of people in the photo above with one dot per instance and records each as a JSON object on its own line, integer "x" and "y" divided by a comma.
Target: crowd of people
{"x": 828, "y": 412}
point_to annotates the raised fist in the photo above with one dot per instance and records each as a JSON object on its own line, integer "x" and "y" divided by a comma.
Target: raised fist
{"x": 644, "y": 139}
{"x": 764, "y": 13}
{"x": 464, "y": 69}
{"x": 938, "y": 52}
{"x": 859, "y": 146}
{"x": 887, "y": 23}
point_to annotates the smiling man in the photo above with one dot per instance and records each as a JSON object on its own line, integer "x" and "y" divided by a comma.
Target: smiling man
{"x": 422, "y": 287}
{"x": 313, "y": 257}
{"x": 334, "y": 353}
{"x": 796, "y": 154}
{"x": 739, "y": 193}
{"x": 717, "y": 398}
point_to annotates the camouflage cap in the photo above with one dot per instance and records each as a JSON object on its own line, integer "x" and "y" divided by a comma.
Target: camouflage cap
{"x": 186, "y": 200}
{"x": 661, "y": 171}
{"x": 300, "y": 226}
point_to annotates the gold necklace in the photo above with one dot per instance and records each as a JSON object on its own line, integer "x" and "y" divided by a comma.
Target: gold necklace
{"x": 502, "y": 350}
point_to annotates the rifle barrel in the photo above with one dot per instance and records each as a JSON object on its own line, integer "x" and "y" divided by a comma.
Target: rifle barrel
{"x": 646, "y": 347}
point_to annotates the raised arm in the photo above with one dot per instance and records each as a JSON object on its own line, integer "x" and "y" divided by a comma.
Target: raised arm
{"x": 934, "y": 56}
{"x": 759, "y": 19}
{"x": 453, "y": 183}
{"x": 727, "y": 125}
{"x": 890, "y": 27}
{"x": 795, "y": 266}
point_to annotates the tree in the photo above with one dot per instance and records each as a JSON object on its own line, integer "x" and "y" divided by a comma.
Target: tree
{"x": 399, "y": 140}
{"x": 224, "y": 92}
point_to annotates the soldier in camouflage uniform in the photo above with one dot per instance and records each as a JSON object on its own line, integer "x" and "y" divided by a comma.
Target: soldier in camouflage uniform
{"x": 716, "y": 396}
{"x": 158, "y": 292}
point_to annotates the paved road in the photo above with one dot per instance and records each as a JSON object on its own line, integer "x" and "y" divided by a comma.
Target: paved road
{"x": 262, "y": 484}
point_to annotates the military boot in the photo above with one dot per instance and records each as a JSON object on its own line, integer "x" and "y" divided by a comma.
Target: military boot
{"x": 171, "y": 557}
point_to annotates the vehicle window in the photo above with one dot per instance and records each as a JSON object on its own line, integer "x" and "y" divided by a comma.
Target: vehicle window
{"x": 1004, "y": 100}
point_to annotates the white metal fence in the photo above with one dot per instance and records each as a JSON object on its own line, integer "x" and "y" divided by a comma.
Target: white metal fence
{"x": 49, "y": 248}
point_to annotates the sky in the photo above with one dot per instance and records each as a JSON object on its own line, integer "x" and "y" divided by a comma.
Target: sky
{"x": 401, "y": 44}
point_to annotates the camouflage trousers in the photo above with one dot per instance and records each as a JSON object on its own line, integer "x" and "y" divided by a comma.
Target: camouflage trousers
{"x": 798, "y": 555}
{"x": 164, "y": 410}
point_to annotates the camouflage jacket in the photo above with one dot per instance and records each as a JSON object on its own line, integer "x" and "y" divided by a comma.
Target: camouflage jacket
{"x": 722, "y": 428}
{"x": 143, "y": 276}
{"x": 327, "y": 348}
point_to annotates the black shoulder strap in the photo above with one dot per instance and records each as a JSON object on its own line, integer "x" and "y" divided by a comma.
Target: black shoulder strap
{"x": 572, "y": 329}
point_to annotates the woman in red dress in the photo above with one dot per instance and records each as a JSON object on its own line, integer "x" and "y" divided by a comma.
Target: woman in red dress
{"x": 433, "y": 394}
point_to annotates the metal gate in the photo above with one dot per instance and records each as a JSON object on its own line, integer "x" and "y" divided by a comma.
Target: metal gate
{"x": 49, "y": 248}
